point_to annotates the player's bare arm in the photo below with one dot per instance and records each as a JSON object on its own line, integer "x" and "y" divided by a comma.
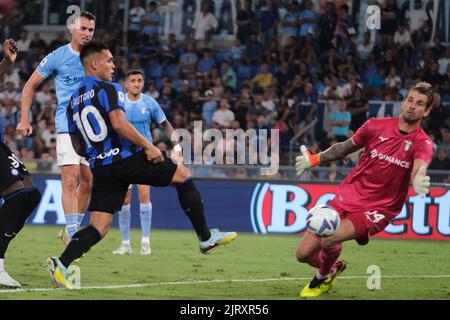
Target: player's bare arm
{"x": 24, "y": 127}
{"x": 126, "y": 129}
{"x": 10, "y": 52}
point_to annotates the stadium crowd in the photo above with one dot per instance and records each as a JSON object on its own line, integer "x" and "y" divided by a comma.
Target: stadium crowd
{"x": 272, "y": 76}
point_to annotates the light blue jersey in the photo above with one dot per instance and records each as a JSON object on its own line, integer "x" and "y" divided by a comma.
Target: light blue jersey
{"x": 142, "y": 113}
{"x": 65, "y": 65}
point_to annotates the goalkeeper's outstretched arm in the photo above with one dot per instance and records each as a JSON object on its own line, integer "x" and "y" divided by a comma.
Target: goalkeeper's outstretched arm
{"x": 338, "y": 151}
{"x": 335, "y": 152}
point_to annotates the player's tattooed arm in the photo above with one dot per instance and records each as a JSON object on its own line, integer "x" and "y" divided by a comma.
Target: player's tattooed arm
{"x": 338, "y": 151}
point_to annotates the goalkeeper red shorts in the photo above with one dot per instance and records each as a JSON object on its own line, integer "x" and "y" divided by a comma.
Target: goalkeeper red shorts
{"x": 366, "y": 222}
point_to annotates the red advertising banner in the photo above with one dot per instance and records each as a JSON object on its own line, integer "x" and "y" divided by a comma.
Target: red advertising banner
{"x": 281, "y": 208}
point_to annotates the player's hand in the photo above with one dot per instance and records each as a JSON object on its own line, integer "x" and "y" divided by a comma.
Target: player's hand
{"x": 421, "y": 182}
{"x": 10, "y": 49}
{"x": 306, "y": 160}
{"x": 24, "y": 128}
{"x": 154, "y": 155}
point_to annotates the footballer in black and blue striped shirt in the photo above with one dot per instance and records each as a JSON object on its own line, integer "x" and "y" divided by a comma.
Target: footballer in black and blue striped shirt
{"x": 119, "y": 156}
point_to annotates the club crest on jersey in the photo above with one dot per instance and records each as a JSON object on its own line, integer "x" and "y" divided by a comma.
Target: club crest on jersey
{"x": 407, "y": 145}
{"x": 143, "y": 110}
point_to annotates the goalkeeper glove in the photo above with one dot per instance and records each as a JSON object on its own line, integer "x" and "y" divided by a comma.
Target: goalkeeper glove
{"x": 421, "y": 182}
{"x": 306, "y": 160}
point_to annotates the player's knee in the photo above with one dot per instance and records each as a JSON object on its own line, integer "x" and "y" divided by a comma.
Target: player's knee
{"x": 86, "y": 185}
{"x": 302, "y": 257}
{"x": 328, "y": 242}
{"x": 69, "y": 182}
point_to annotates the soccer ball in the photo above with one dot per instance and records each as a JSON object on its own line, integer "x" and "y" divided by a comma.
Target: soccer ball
{"x": 323, "y": 221}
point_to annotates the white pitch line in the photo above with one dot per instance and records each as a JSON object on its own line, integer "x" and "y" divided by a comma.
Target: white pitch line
{"x": 188, "y": 282}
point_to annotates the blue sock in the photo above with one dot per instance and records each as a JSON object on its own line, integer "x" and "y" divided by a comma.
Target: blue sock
{"x": 146, "y": 219}
{"x": 124, "y": 222}
{"x": 80, "y": 219}
{"x": 71, "y": 224}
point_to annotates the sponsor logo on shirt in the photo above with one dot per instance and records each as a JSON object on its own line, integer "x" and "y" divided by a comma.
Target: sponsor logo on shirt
{"x": 404, "y": 164}
{"x": 407, "y": 145}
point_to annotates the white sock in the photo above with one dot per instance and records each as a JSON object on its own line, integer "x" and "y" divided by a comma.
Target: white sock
{"x": 319, "y": 276}
{"x": 2, "y": 267}
{"x": 145, "y": 239}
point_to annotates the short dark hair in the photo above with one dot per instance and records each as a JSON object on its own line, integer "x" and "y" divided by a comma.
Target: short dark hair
{"x": 426, "y": 89}
{"x": 133, "y": 72}
{"x": 91, "y": 48}
{"x": 87, "y": 15}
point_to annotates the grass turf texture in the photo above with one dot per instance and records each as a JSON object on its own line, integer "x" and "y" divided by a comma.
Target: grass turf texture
{"x": 251, "y": 267}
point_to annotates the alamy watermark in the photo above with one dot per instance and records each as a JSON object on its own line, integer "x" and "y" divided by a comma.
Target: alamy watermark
{"x": 374, "y": 278}
{"x": 373, "y": 17}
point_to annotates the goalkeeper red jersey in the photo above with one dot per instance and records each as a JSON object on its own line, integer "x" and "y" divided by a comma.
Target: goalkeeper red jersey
{"x": 381, "y": 179}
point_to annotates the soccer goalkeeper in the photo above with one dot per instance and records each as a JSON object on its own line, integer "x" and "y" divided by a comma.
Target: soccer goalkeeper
{"x": 397, "y": 152}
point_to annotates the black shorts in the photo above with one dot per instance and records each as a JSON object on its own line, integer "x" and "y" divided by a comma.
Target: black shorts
{"x": 111, "y": 182}
{"x": 11, "y": 168}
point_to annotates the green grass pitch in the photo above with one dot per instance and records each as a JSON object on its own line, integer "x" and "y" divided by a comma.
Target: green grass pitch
{"x": 253, "y": 266}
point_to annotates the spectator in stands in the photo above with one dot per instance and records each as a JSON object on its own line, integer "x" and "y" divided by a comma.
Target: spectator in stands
{"x": 242, "y": 106}
{"x": 59, "y": 41}
{"x": 327, "y": 26}
{"x": 283, "y": 76}
{"x": 245, "y": 21}
{"x": 135, "y": 16}
{"x": 365, "y": 47}
{"x": 393, "y": 80}
{"x": 376, "y": 84}
{"x": 306, "y": 106}
{"x": 438, "y": 48}
{"x": 268, "y": 21}
{"x": 307, "y": 20}
{"x": 445, "y": 140}
{"x": 37, "y": 45}
{"x": 441, "y": 161}
{"x": 255, "y": 109}
{"x": 333, "y": 91}
{"x": 169, "y": 50}
{"x": 358, "y": 106}
{"x": 209, "y": 107}
{"x": 289, "y": 25}
{"x": 444, "y": 62}
{"x": 390, "y": 16}
{"x": 255, "y": 49}
{"x": 331, "y": 63}
{"x": 188, "y": 60}
{"x": 24, "y": 71}
{"x": 223, "y": 117}
{"x": 344, "y": 23}
{"x": 264, "y": 78}
{"x": 11, "y": 75}
{"x": 23, "y": 44}
{"x": 207, "y": 63}
{"x": 150, "y": 21}
{"x": 204, "y": 22}
{"x": 195, "y": 108}
{"x": 237, "y": 51}
{"x": 308, "y": 53}
{"x": 206, "y": 43}
{"x": 152, "y": 91}
{"x": 228, "y": 75}
{"x": 418, "y": 20}
{"x": 340, "y": 122}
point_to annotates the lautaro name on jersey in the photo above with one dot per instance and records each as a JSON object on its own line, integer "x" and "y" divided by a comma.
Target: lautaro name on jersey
{"x": 89, "y": 122}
